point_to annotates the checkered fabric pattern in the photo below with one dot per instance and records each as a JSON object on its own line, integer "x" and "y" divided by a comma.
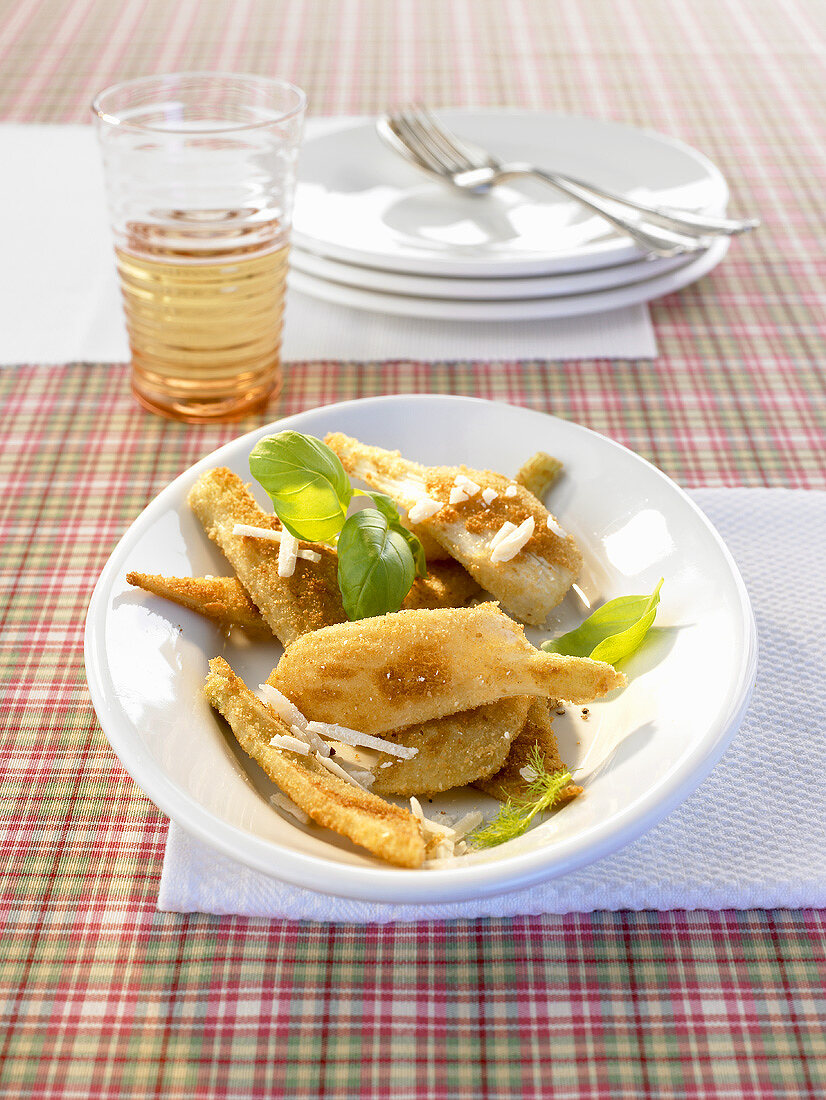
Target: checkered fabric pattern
{"x": 101, "y": 995}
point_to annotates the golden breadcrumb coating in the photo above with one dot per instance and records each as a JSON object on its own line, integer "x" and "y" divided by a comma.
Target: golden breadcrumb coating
{"x": 398, "y": 670}
{"x": 224, "y": 600}
{"x": 530, "y": 583}
{"x": 447, "y": 584}
{"x": 386, "y": 830}
{"x": 452, "y": 751}
{"x": 291, "y": 606}
{"x": 537, "y": 732}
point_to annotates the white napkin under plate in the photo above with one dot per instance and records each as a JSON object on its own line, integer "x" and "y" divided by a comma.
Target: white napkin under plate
{"x": 60, "y": 303}
{"x": 752, "y": 836}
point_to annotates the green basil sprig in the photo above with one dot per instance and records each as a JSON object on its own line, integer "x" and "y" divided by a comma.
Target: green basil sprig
{"x": 613, "y": 632}
{"x": 378, "y": 558}
{"x": 306, "y": 482}
{"x": 375, "y": 566}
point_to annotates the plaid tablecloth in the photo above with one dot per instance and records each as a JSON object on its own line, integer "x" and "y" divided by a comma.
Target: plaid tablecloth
{"x": 104, "y": 997}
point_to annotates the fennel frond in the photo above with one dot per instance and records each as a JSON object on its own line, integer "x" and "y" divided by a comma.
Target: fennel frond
{"x": 513, "y": 819}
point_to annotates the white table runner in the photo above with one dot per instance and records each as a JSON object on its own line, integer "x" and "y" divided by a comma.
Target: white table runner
{"x": 59, "y": 300}
{"x": 752, "y": 835}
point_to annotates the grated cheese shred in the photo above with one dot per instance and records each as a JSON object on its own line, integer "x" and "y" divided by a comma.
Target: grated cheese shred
{"x": 336, "y": 769}
{"x": 283, "y": 803}
{"x": 513, "y": 542}
{"x": 256, "y": 532}
{"x": 429, "y": 828}
{"x": 268, "y": 535}
{"x": 282, "y": 706}
{"x": 365, "y": 778}
{"x": 289, "y": 713}
{"x": 506, "y": 529}
{"x": 315, "y": 743}
{"x": 552, "y": 525}
{"x": 287, "y": 554}
{"x": 424, "y": 508}
{"x": 353, "y": 737}
{"x": 290, "y": 743}
{"x": 462, "y": 481}
{"x": 467, "y": 823}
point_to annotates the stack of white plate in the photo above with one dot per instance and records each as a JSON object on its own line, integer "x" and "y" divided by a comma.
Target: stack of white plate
{"x": 372, "y": 232}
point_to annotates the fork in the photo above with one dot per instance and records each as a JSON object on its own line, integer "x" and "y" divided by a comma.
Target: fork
{"x": 421, "y": 139}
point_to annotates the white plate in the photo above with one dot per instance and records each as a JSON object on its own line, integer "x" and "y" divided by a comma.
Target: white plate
{"x": 639, "y": 754}
{"x": 359, "y": 202}
{"x": 566, "y": 305}
{"x": 425, "y": 286}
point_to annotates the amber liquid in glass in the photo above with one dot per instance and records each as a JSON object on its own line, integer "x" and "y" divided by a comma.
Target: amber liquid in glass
{"x": 204, "y": 311}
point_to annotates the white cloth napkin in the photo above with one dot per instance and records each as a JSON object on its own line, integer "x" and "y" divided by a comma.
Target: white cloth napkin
{"x": 59, "y": 299}
{"x": 752, "y": 836}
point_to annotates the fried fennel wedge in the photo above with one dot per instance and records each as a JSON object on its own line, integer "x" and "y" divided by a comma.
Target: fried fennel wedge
{"x": 536, "y": 733}
{"x": 452, "y": 751}
{"x": 388, "y": 831}
{"x": 224, "y": 600}
{"x": 539, "y": 473}
{"x": 447, "y": 584}
{"x": 433, "y": 551}
{"x": 530, "y": 582}
{"x": 397, "y": 670}
{"x": 291, "y": 606}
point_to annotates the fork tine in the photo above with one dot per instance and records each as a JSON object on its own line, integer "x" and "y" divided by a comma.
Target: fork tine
{"x": 414, "y": 128}
{"x": 428, "y": 142}
{"x": 407, "y": 135}
{"x": 472, "y": 156}
{"x": 437, "y": 140}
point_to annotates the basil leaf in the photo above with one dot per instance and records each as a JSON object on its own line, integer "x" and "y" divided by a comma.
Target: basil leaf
{"x": 307, "y": 484}
{"x": 613, "y": 632}
{"x": 375, "y": 566}
{"x": 391, "y": 513}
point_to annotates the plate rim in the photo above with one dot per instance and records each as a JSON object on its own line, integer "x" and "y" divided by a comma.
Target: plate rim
{"x": 359, "y": 277}
{"x": 516, "y": 309}
{"x": 390, "y": 884}
{"x": 615, "y": 251}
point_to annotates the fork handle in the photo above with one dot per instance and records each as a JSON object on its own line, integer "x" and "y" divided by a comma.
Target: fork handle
{"x": 684, "y": 221}
{"x": 655, "y": 240}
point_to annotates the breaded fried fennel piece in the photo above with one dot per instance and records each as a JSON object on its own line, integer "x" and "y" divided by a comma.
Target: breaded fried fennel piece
{"x": 454, "y": 750}
{"x": 291, "y": 606}
{"x": 222, "y": 599}
{"x": 527, "y": 585}
{"x": 388, "y": 831}
{"x": 433, "y": 551}
{"x": 380, "y": 674}
{"x": 539, "y": 473}
{"x": 447, "y": 584}
{"x": 537, "y": 732}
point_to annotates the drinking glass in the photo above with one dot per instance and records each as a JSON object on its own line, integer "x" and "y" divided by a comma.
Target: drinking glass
{"x": 200, "y": 176}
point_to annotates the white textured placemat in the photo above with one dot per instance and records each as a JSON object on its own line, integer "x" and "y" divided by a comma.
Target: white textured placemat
{"x": 59, "y": 300}
{"x": 753, "y": 835}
